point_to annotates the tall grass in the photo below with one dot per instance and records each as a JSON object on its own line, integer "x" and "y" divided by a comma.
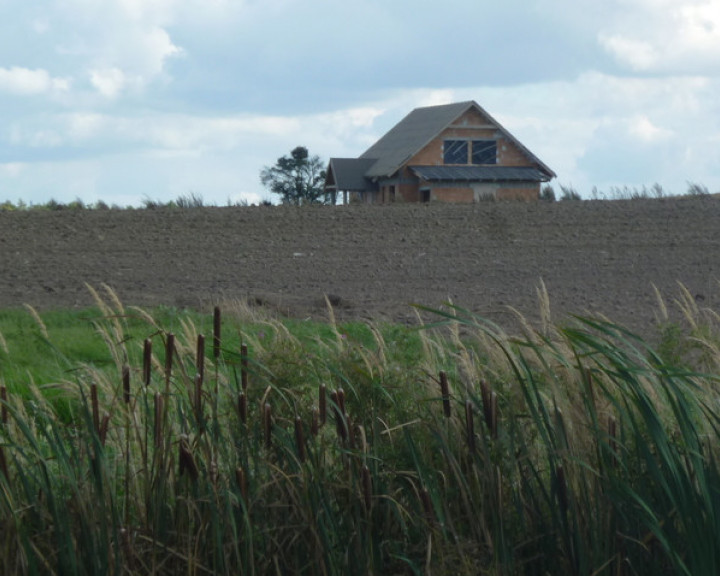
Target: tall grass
{"x": 573, "y": 449}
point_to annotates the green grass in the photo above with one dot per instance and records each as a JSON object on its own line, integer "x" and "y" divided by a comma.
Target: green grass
{"x": 455, "y": 449}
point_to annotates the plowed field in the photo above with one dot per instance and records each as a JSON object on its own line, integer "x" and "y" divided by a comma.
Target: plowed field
{"x": 372, "y": 261}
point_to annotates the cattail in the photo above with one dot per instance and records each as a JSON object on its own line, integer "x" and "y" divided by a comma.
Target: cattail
{"x": 244, "y": 366}
{"x": 126, "y": 383}
{"x": 267, "y": 425}
{"x": 341, "y": 401}
{"x": 242, "y": 407}
{"x": 216, "y": 333}
{"x": 169, "y": 351}
{"x": 242, "y": 484}
{"x": 470, "y": 426}
{"x": 315, "y": 427}
{"x": 159, "y": 413}
{"x": 187, "y": 460}
{"x": 200, "y": 358}
{"x": 3, "y": 408}
{"x": 300, "y": 438}
{"x": 427, "y": 505}
{"x": 95, "y": 407}
{"x": 339, "y": 420}
{"x": 104, "y": 425}
{"x": 445, "y": 391}
{"x": 367, "y": 487}
{"x": 350, "y": 432}
{"x": 323, "y": 405}
{"x": 147, "y": 361}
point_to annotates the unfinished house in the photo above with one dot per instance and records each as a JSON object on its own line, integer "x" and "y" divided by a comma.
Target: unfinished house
{"x": 449, "y": 153}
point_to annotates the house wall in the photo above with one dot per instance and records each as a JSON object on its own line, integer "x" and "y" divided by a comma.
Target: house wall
{"x": 527, "y": 193}
{"x": 470, "y": 126}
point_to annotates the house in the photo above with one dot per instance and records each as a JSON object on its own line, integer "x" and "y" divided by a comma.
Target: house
{"x": 452, "y": 153}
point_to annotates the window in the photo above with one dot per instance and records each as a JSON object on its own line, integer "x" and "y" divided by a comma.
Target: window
{"x": 455, "y": 152}
{"x": 484, "y": 152}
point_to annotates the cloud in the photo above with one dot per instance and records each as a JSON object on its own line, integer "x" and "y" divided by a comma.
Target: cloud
{"x": 26, "y": 82}
{"x": 669, "y": 36}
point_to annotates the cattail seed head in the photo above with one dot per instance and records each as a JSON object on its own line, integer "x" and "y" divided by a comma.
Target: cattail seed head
{"x": 147, "y": 361}
{"x": 445, "y": 392}
{"x": 341, "y": 400}
{"x": 104, "y": 425}
{"x": 197, "y": 400}
{"x": 200, "y": 358}
{"x": 187, "y": 460}
{"x": 95, "y": 407}
{"x": 486, "y": 395}
{"x": 494, "y": 415}
{"x": 216, "y": 333}
{"x": 315, "y": 427}
{"x": 126, "y": 383}
{"x": 244, "y": 366}
{"x": 169, "y": 351}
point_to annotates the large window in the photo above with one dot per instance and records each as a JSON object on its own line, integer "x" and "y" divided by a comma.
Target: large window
{"x": 484, "y": 152}
{"x": 470, "y": 152}
{"x": 455, "y": 152}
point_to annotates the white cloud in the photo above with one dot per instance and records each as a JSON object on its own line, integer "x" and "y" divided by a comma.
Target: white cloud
{"x": 27, "y": 82}
{"x": 109, "y": 82}
{"x": 678, "y": 36}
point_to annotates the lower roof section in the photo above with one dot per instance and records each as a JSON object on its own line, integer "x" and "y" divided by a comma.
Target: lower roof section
{"x": 480, "y": 173}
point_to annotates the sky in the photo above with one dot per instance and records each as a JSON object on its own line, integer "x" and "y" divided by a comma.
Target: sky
{"x": 124, "y": 101}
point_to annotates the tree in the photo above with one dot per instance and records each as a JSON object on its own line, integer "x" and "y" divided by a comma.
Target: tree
{"x": 298, "y": 178}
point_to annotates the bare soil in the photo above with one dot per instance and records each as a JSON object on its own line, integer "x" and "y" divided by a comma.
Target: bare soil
{"x": 373, "y": 262}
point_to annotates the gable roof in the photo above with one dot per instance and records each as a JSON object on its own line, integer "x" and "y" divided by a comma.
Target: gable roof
{"x": 418, "y": 128}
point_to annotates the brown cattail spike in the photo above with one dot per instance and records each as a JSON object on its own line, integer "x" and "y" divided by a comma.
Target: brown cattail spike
{"x": 95, "y": 407}
{"x": 340, "y": 423}
{"x": 216, "y": 333}
{"x": 367, "y": 487}
{"x": 445, "y": 392}
{"x": 126, "y": 383}
{"x": 470, "y": 426}
{"x": 315, "y": 428}
{"x": 341, "y": 401}
{"x": 486, "y": 395}
{"x": 300, "y": 438}
{"x": 323, "y": 405}
{"x": 200, "y": 358}
{"x": 169, "y": 351}
{"x": 244, "y": 366}
{"x": 104, "y": 425}
{"x": 187, "y": 460}
{"x": 147, "y": 361}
